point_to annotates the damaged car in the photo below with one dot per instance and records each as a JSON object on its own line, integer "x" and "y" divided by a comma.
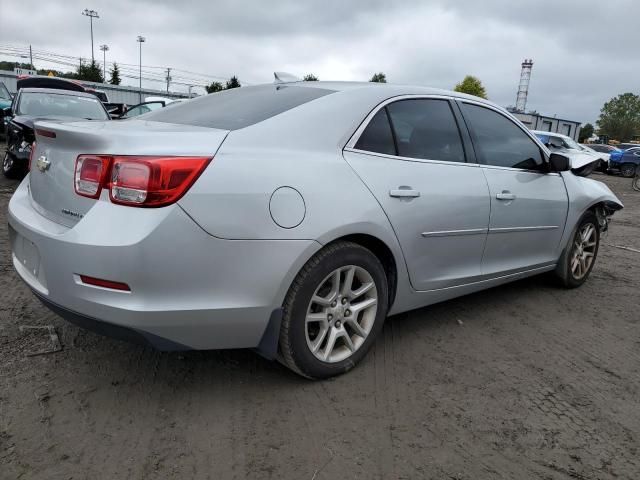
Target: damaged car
{"x": 372, "y": 199}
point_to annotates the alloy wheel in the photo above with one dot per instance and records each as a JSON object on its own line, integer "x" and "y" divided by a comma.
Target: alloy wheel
{"x": 341, "y": 313}
{"x": 628, "y": 170}
{"x": 584, "y": 249}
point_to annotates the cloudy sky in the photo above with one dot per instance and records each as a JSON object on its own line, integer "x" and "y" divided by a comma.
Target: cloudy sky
{"x": 584, "y": 52}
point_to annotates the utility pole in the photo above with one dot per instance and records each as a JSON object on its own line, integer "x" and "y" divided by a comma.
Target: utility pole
{"x": 31, "y": 58}
{"x": 104, "y": 49}
{"x": 141, "y": 40}
{"x": 168, "y": 78}
{"x": 91, "y": 14}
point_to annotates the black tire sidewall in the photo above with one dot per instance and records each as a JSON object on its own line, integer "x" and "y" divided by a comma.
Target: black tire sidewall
{"x": 13, "y": 170}
{"x": 303, "y": 357}
{"x": 571, "y": 281}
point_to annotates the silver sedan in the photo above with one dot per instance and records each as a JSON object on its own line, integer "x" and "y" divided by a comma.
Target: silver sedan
{"x": 293, "y": 218}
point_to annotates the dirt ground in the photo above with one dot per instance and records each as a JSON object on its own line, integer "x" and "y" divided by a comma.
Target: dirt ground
{"x": 521, "y": 381}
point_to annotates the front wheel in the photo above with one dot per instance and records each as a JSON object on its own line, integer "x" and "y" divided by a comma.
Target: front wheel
{"x": 578, "y": 259}
{"x": 333, "y": 311}
{"x": 628, "y": 170}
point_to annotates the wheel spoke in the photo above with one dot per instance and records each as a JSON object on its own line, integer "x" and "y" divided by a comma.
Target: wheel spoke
{"x": 348, "y": 342}
{"x": 362, "y": 290}
{"x": 574, "y": 265}
{"x": 353, "y": 323}
{"x": 363, "y": 305}
{"x": 317, "y": 317}
{"x": 331, "y": 342}
{"x": 348, "y": 282}
{"x": 319, "y": 339}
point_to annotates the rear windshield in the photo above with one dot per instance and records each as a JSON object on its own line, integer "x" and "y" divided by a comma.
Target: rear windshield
{"x": 68, "y": 105}
{"x": 237, "y": 108}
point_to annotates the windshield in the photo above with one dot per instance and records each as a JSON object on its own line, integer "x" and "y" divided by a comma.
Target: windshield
{"x": 571, "y": 143}
{"x": 4, "y": 93}
{"x": 39, "y": 104}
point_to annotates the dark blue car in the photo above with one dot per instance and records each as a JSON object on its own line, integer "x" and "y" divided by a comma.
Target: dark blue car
{"x": 625, "y": 161}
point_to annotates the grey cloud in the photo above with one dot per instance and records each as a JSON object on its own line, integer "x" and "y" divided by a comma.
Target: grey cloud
{"x": 584, "y": 52}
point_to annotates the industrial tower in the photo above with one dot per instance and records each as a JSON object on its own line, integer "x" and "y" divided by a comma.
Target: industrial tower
{"x": 523, "y": 88}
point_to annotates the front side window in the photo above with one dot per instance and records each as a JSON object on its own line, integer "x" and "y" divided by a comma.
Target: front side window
{"x": 426, "y": 129}
{"x": 499, "y": 141}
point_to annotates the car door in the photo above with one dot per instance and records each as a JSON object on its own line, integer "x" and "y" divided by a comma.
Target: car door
{"x": 528, "y": 204}
{"x": 411, "y": 155}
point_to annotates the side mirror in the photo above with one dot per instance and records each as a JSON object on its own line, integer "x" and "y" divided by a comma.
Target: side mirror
{"x": 559, "y": 163}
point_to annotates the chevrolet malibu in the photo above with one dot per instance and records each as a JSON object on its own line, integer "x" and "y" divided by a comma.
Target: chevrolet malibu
{"x": 293, "y": 218}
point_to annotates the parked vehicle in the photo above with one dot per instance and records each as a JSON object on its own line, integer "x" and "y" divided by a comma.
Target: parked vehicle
{"x": 600, "y": 147}
{"x": 5, "y": 102}
{"x": 625, "y": 162}
{"x": 141, "y": 108}
{"x": 579, "y": 156}
{"x": 32, "y": 104}
{"x": 602, "y": 156}
{"x": 40, "y": 81}
{"x": 150, "y": 104}
{"x": 370, "y": 199}
{"x": 627, "y": 146}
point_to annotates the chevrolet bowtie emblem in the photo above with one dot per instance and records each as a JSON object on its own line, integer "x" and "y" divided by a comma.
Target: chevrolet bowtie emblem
{"x": 42, "y": 163}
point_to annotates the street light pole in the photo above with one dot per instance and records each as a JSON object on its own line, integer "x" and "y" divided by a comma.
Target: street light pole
{"x": 104, "y": 49}
{"x": 91, "y": 14}
{"x": 141, "y": 40}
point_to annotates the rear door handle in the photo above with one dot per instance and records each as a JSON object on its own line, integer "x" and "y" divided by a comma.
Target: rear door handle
{"x": 404, "y": 193}
{"x": 505, "y": 195}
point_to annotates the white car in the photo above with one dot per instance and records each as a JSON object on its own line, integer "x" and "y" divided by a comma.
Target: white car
{"x": 580, "y": 158}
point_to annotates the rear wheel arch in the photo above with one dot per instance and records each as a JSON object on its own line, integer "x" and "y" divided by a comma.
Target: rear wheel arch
{"x": 382, "y": 251}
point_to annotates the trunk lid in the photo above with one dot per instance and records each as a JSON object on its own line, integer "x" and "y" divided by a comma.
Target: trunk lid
{"x": 51, "y": 179}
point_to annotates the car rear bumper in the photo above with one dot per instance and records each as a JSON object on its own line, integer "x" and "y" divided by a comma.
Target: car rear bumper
{"x": 189, "y": 290}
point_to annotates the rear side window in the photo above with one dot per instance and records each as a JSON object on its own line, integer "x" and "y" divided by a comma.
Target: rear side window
{"x": 499, "y": 141}
{"x": 426, "y": 129}
{"x": 377, "y": 137}
{"x": 239, "y": 107}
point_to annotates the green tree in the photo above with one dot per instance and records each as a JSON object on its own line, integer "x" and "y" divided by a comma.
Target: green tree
{"x": 90, "y": 72}
{"x": 214, "y": 87}
{"x": 620, "y": 117}
{"x": 310, "y": 77}
{"x": 472, "y": 86}
{"x": 233, "y": 82}
{"x": 379, "y": 78}
{"x": 115, "y": 75}
{"x": 585, "y": 132}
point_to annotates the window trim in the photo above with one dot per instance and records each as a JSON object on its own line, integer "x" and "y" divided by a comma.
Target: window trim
{"x": 350, "y": 145}
{"x": 543, "y": 150}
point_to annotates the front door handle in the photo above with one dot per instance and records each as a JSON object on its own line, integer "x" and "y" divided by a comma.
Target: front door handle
{"x": 404, "y": 193}
{"x": 506, "y": 195}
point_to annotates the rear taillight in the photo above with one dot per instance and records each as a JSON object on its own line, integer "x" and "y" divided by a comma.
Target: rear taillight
{"x": 142, "y": 181}
{"x": 90, "y": 175}
{"x": 31, "y": 153}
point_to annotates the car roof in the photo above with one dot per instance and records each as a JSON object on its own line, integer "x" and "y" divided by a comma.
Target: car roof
{"x": 58, "y": 91}
{"x": 386, "y": 90}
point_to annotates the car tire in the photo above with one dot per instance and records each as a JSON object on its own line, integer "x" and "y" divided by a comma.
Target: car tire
{"x": 628, "y": 170}
{"x": 10, "y": 168}
{"x": 580, "y": 255}
{"x": 333, "y": 311}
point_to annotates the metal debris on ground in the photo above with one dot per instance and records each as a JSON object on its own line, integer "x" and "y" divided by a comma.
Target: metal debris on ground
{"x": 56, "y": 346}
{"x": 622, "y": 247}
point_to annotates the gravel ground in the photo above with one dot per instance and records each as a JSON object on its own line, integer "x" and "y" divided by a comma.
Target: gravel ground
{"x": 521, "y": 381}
